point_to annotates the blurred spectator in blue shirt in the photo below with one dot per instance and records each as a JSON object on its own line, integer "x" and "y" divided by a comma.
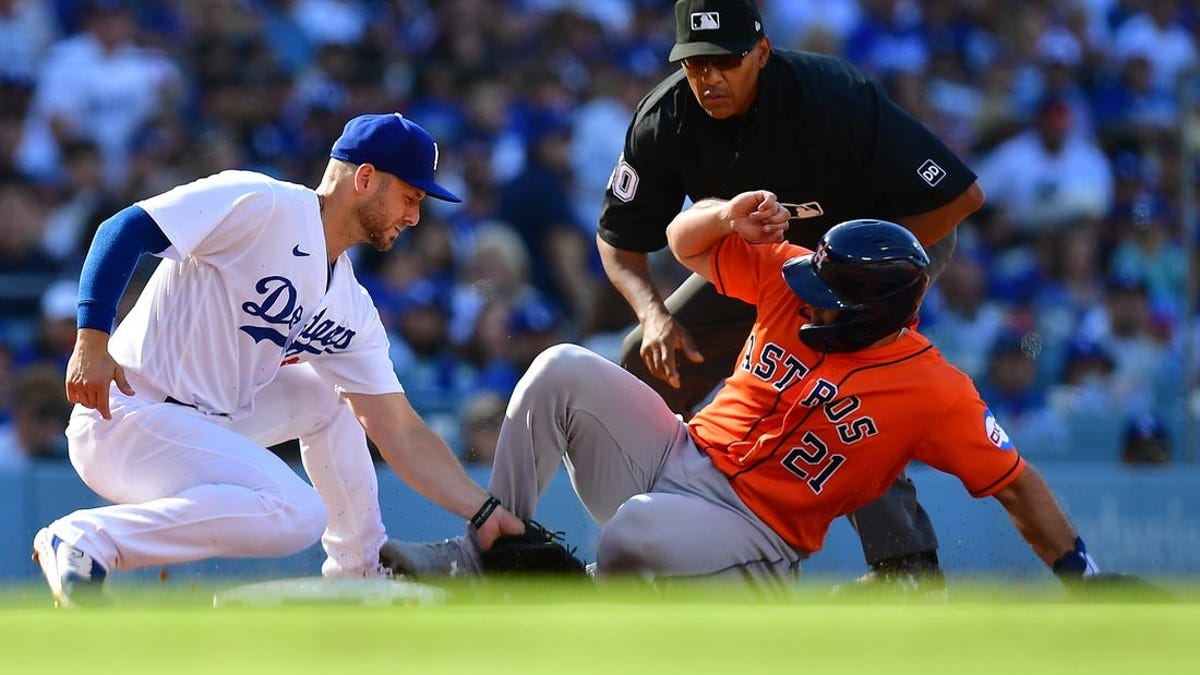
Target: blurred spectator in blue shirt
{"x": 1150, "y": 248}
{"x": 54, "y": 337}
{"x": 1087, "y": 398}
{"x": 27, "y": 28}
{"x": 25, "y": 269}
{"x": 599, "y": 124}
{"x": 434, "y": 378}
{"x": 1158, "y": 34}
{"x": 1048, "y": 177}
{"x": 1014, "y": 395}
{"x": 1131, "y": 106}
{"x": 1146, "y": 442}
{"x": 288, "y": 40}
{"x": 496, "y": 269}
{"x": 481, "y": 417}
{"x": 1086, "y": 384}
{"x": 86, "y": 202}
{"x": 887, "y": 39}
{"x": 39, "y": 418}
{"x": 959, "y": 316}
{"x": 509, "y": 336}
{"x": 792, "y": 21}
{"x": 537, "y": 204}
{"x": 100, "y": 86}
{"x": 1125, "y": 327}
{"x": 438, "y": 100}
{"x": 1055, "y": 72}
{"x": 1070, "y": 287}
{"x": 339, "y": 22}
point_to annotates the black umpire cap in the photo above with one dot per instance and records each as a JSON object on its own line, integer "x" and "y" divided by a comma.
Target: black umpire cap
{"x": 715, "y": 27}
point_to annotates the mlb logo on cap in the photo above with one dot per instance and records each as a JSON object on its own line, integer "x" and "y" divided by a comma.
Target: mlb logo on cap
{"x": 706, "y": 21}
{"x": 714, "y": 28}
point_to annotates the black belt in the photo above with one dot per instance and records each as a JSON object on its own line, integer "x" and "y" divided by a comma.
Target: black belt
{"x": 172, "y": 399}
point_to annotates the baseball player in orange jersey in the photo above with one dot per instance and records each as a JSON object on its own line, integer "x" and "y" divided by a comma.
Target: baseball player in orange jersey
{"x": 834, "y": 394}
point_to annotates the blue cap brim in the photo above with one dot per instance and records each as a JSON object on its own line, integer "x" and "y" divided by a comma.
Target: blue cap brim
{"x": 802, "y": 278}
{"x": 434, "y": 190}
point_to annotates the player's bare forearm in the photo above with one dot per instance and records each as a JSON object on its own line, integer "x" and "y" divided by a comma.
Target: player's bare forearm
{"x": 756, "y": 216}
{"x": 416, "y": 453}
{"x": 629, "y": 272}
{"x": 695, "y": 231}
{"x": 1038, "y": 516}
{"x": 423, "y": 460}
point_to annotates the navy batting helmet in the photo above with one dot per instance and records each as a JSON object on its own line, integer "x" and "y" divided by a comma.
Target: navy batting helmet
{"x": 872, "y": 271}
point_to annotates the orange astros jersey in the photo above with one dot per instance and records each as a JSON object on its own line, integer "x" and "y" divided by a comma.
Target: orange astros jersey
{"x": 805, "y": 437}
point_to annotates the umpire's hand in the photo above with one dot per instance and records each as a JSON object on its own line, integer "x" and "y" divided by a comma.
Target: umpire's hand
{"x": 91, "y": 371}
{"x": 662, "y": 338}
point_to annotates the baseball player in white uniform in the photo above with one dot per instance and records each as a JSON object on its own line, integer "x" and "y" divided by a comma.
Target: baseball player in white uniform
{"x": 252, "y": 331}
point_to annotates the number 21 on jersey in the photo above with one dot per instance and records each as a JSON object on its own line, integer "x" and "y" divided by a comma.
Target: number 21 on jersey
{"x": 809, "y": 457}
{"x": 812, "y": 461}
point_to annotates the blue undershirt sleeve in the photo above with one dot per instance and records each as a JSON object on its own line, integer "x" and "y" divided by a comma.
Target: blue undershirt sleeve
{"x": 119, "y": 243}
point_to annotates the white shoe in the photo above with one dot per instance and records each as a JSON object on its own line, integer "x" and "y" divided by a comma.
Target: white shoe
{"x": 423, "y": 560}
{"x": 74, "y": 577}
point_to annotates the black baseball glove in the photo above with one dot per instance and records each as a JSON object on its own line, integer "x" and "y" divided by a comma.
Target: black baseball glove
{"x": 537, "y": 551}
{"x": 1078, "y": 572}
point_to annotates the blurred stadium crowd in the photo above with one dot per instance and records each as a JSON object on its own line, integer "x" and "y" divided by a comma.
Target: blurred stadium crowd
{"x": 1068, "y": 298}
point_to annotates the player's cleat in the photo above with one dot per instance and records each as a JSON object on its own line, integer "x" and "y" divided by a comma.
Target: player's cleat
{"x": 425, "y": 560}
{"x": 917, "y": 575}
{"x": 381, "y": 571}
{"x": 75, "y": 579}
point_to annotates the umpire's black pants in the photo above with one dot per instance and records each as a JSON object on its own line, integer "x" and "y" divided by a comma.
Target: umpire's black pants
{"x": 891, "y": 526}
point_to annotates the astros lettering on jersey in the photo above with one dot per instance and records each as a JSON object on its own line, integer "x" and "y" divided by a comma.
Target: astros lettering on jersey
{"x": 838, "y": 428}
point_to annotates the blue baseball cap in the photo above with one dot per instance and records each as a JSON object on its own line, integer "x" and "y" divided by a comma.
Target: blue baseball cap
{"x": 396, "y": 145}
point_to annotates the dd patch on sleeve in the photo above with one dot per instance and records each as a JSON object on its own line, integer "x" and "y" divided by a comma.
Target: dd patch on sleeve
{"x": 931, "y": 173}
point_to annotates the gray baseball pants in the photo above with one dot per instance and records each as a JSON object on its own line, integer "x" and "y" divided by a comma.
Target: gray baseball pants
{"x": 665, "y": 510}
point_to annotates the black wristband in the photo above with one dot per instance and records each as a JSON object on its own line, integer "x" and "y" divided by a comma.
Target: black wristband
{"x": 484, "y": 512}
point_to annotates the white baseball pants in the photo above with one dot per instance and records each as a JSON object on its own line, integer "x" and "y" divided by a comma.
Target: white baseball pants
{"x": 188, "y": 486}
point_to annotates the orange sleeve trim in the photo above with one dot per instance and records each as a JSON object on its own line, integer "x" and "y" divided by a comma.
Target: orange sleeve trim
{"x": 1003, "y": 481}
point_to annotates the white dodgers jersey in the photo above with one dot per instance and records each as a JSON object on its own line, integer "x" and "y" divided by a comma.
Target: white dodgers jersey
{"x": 241, "y": 292}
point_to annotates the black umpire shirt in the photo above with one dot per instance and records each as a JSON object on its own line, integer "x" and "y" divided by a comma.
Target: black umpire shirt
{"x": 820, "y": 135}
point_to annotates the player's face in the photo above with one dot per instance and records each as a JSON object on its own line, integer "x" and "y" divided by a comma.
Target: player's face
{"x": 823, "y": 317}
{"x": 725, "y": 86}
{"x": 393, "y": 206}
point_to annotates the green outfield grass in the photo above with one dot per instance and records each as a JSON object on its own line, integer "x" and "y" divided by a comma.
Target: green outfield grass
{"x": 564, "y": 629}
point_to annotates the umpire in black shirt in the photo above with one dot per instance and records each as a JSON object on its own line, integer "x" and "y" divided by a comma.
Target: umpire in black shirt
{"x": 740, "y": 116}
